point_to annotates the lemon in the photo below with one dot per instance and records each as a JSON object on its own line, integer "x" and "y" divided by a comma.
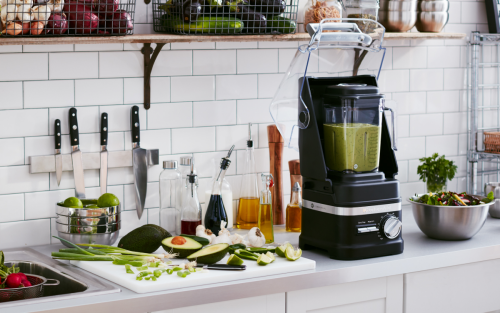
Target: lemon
{"x": 263, "y": 260}
{"x": 73, "y": 202}
{"x": 234, "y": 260}
{"x": 271, "y": 256}
{"x": 293, "y": 255}
{"x": 280, "y": 251}
{"x": 107, "y": 200}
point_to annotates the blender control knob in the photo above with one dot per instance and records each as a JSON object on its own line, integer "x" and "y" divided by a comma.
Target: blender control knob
{"x": 392, "y": 227}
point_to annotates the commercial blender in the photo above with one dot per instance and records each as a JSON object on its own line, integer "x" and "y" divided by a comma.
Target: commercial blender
{"x": 351, "y": 202}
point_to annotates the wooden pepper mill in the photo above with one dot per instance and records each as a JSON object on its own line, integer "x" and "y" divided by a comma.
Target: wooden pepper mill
{"x": 294, "y": 166}
{"x": 276, "y": 144}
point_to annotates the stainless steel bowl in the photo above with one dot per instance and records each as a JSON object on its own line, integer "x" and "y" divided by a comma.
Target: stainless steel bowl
{"x": 100, "y": 239}
{"x": 87, "y": 212}
{"x": 495, "y": 206}
{"x": 433, "y": 6}
{"x": 394, "y": 5}
{"x": 449, "y": 222}
{"x": 396, "y": 21}
{"x": 78, "y": 229}
{"x": 433, "y": 22}
{"x": 88, "y": 221}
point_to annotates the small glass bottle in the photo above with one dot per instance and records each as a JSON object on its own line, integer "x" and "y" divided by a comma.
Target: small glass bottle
{"x": 216, "y": 212}
{"x": 170, "y": 211}
{"x": 294, "y": 211}
{"x": 191, "y": 212}
{"x": 225, "y": 192}
{"x": 248, "y": 207}
{"x": 265, "y": 223}
{"x": 182, "y": 191}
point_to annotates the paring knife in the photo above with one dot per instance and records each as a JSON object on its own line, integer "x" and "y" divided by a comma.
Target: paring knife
{"x": 57, "y": 139}
{"x": 223, "y": 267}
{"x": 140, "y": 164}
{"x": 76, "y": 155}
{"x": 104, "y": 153}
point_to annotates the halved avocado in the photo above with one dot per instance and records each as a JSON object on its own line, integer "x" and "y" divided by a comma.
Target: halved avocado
{"x": 183, "y": 246}
{"x": 211, "y": 254}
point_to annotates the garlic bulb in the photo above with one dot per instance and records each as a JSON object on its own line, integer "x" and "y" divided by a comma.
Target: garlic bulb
{"x": 56, "y": 5}
{"x": 256, "y": 238}
{"x": 41, "y": 13}
{"x": 201, "y": 231}
{"x": 3, "y": 3}
{"x": 223, "y": 229}
{"x": 8, "y": 13}
{"x": 236, "y": 238}
{"x": 24, "y": 13}
{"x": 223, "y": 238}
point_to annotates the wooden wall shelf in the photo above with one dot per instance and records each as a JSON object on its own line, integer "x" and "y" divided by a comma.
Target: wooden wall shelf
{"x": 166, "y": 38}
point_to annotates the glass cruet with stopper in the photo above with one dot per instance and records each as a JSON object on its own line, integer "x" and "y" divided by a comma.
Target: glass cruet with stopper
{"x": 191, "y": 211}
{"x": 294, "y": 211}
{"x": 169, "y": 206}
{"x": 248, "y": 207}
{"x": 225, "y": 192}
{"x": 216, "y": 211}
{"x": 182, "y": 190}
{"x": 265, "y": 223}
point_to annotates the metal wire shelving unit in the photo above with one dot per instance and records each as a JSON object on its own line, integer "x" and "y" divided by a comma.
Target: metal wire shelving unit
{"x": 483, "y": 108}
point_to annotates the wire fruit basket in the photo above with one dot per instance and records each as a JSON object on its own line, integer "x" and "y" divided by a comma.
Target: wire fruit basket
{"x": 53, "y": 18}
{"x": 34, "y": 291}
{"x": 225, "y": 17}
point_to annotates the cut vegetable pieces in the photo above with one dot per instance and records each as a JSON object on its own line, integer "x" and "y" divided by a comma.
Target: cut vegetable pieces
{"x": 280, "y": 251}
{"x": 263, "y": 260}
{"x": 293, "y": 255}
{"x": 271, "y": 256}
{"x": 234, "y": 260}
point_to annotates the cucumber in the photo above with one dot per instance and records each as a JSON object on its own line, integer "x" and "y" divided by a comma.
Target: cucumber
{"x": 281, "y": 24}
{"x": 203, "y": 241}
{"x": 206, "y": 25}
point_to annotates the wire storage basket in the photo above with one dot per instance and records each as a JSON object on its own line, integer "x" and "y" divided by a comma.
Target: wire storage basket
{"x": 28, "y": 18}
{"x": 34, "y": 291}
{"x": 225, "y": 17}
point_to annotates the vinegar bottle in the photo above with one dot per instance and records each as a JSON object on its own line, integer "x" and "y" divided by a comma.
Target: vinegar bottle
{"x": 248, "y": 207}
{"x": 191, "y": 212}
{"x": 294, "y": 211}
{"x": 265, "y": 223}
{"x": 216, "y": 212}
{"x": 225, "y": 192}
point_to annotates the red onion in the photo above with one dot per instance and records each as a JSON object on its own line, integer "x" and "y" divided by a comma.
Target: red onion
{"x": 106, "y": 7}
{"x": 57, "y": 24}
{"x": 119, "y": 23}
{"x": 80, "y": 17}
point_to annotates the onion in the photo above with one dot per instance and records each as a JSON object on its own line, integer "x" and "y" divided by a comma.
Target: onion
{"x": 80, "y": 17}
{"x": 36, "y": 28}
{"x": 106, "y": 7}
{"x": 14, "y": 28}
{"x": 57, "y": 24}
{"x": 119, "y": 23}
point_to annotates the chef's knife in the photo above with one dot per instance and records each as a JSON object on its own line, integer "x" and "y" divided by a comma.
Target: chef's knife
{"x": 104, "y": 153}
{"x": 57, "y": 139}
{"x": 76, "y": 155}
{"x": 223, "y": 267}
{"x": 139, "y": 163}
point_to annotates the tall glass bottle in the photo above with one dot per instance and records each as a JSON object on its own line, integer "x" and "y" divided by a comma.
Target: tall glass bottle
{"x": 225, "y": 192}
{"x": 170, "y": 210}
{"x": 248, "y": 207}
{"x": 294, "y": 211}
{"x": 216, "y": 212}
{"x": 265, "y": 223}
{"x": 191, "y": 212}
{"x": 182, "y": 192}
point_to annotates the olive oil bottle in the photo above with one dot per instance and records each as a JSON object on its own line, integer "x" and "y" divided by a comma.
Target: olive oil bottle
{"x": 294, "y": 211}
{"x": 265, "y": 223}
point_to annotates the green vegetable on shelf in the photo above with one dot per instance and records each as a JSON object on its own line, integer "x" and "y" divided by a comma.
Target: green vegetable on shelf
{"x": 281, "y": 24}
{"x": 205, "y": 25}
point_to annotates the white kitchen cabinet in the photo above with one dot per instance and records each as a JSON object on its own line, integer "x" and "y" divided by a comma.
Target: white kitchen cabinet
{"x": 380, "y": 295}
{"x": 465, "y": 288}
{"x": 274, "y": 303}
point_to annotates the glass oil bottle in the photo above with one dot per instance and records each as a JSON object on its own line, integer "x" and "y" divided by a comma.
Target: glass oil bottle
{"x": 294, "y": 211}
{"x": 216, "y": 212}
{"x": 170, "y": 210}
{"x": 248, "y": 207}
{"x": 191, "y": 212}
{"x": 265, "y": 223}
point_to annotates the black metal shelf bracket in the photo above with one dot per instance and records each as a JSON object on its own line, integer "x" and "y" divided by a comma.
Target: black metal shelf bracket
{"x": 150, "y": 56}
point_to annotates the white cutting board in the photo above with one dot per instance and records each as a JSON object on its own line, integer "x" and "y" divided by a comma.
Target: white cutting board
{"x": 117, "y": 274}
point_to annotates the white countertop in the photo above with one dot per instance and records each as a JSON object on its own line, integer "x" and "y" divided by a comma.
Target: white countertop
{"x": 420, "y": 253}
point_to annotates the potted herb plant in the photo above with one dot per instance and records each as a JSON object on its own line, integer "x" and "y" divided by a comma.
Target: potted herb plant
{"x": 435, "y": 171}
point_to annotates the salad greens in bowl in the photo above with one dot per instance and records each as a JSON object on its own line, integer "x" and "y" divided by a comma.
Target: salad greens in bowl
{"x": 451, "y": 198}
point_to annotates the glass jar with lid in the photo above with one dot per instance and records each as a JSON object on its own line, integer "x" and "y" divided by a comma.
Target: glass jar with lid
{"x": 363, "y": 9}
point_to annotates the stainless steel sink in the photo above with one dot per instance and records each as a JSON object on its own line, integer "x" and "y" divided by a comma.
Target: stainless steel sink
{"x": 74, "y": 282}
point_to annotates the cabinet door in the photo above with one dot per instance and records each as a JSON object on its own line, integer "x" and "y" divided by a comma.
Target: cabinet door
{"x": 380, "y": 295}
{"x": 463, "y": 288}
{"x": 274, "y": 303}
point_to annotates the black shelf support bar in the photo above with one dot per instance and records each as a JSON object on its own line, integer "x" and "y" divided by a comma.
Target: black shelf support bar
{"x": 149, "y": 60}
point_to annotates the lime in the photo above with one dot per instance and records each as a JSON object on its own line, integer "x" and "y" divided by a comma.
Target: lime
{"x": 92, "y": 206}
{"x": 271, "y": 256}
{"x": 107, "y": 200}
{"x": 234, "y": 260}
{"x": 73, "y": 202}
{"x": 89, "y": 201}
{"x": 293, "y": 255}
{"x": 281, "y": 249}
{"x": 263, "y": 260}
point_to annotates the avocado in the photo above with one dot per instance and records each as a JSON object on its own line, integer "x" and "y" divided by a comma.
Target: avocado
{"x": 181, "y": 245}
{"x": 203, "y": 241}
{"x": 211, "y": 254}
{"x": 146, "y": 239}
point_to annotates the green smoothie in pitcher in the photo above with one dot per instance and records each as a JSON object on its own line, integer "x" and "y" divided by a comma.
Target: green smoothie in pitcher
{"x": 352, "y": 146}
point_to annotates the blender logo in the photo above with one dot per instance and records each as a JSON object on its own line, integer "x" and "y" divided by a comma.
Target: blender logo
{"x": 372, "y": 210}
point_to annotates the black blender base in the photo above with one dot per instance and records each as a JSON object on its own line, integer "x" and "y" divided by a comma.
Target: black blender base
{"x": 354, "y": 252}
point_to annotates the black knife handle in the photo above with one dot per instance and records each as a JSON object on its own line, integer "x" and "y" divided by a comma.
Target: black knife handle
{"x": 73, "y": 127}
{"x": 104, "y": 129}
{"x": 135, "y": 125}
{"x": 57, "y": 133}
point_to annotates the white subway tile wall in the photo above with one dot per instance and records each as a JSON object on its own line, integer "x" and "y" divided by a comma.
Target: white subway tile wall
{"x": 203, "y": 95}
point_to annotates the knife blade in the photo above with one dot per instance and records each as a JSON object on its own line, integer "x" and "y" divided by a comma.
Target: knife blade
{"x": 76, "y": 155}
{"x": 139, "y": 161}
{"x": 57, "y": 139}
{"x": 103, "y": 172}
{"x": 225, "y": 267}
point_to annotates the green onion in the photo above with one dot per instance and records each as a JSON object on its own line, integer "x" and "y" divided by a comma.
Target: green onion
{"x": 170, "y": 271}
{"x": 153, "y": 278}
{"x": 192, "y": 270}
{"x": 142, "y": 268}
{"x": 183, "y": 273}
{"x": 138, "y": 278}
{"x": 148, "y": 278}
{"x": 128, "y": 269}
{"x": 157, "y": 273}
{"x": 72, "y": 244}
{"x": 175, "y": 269}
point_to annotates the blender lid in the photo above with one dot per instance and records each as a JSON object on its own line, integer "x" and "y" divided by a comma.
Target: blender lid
{"x": 348, "y": 89}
